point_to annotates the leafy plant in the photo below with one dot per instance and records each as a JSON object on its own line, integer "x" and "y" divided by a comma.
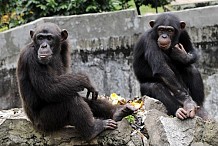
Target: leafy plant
{"x": 152, "y": 3}
{"x": 17, "y": 12}
{"x": 130, "y": 119}
{"x": 10, "y": 14}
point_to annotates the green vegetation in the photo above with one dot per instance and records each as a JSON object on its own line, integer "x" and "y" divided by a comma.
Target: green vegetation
{"x": 10, "y": 14}
{"x": 145, "y": 8}
{"x": 16, "y": 12}
{"x": 130, "y": 119}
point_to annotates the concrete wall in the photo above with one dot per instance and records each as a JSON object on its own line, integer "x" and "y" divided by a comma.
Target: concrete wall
{"x": 102, "y": 47}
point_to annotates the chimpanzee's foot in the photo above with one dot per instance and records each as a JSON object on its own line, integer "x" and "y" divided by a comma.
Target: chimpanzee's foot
{"x": 99, "y": 126}
{"x": 182, "y": 114}
{"x": 201, "y": 112}
{"x": 123, "y": 111}
{"x": 188, "y": 111}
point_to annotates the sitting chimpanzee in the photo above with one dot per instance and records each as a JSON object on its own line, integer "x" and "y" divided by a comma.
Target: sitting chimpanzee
{"x": 49, "y": 91}
{"x": 163, "y": 65}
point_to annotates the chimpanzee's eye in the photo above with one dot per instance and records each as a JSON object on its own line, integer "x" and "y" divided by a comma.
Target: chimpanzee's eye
{"x": 49, "y": 37}
{"x": 170, "y": 30}
{"x": 40, "y": 37}
{"x": 161, "y": 29}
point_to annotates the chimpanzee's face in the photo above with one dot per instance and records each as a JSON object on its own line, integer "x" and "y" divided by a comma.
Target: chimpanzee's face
{"x": 45, "y": 44}
{"x": 47, "y": 41}
{"x": 165, "y": 35}
{"x": 167, "y": 30}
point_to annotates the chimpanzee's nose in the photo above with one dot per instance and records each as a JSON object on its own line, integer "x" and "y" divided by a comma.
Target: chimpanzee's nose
{"x": 164, "y": 36}
{"x": 44, "y": 45}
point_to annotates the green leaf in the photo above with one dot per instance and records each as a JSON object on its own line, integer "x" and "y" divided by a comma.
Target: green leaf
{"x": 130, "y": 119}
{"x": 43, "y": 7}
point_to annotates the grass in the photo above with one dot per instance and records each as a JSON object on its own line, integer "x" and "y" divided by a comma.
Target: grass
{"x": 145, "y": 9}
{"x": 3, "y": 29}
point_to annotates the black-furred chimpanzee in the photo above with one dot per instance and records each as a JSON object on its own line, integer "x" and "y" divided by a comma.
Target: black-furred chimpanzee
{"x": 49, "y": 91}
{"x": 164, "y": 66}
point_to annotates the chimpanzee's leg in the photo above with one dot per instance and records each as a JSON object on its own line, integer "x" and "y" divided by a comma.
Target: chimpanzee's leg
{"x": 75, "y": 112}
{"x": 192, "y": 78}
{"x": 52, "y": 117}
{"x": 104, "y": 109}
{"x": 101, "y": 108}
{"x": 82, "y": 118}
{"x": 160, "y": 92}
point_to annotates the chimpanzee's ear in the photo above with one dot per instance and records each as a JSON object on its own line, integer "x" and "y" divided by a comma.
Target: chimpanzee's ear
{"x": 31, "y": 33}
{"x": 182, "y": 24}
{"x": 64, "y": 34}
{"x": 152, "y": 23}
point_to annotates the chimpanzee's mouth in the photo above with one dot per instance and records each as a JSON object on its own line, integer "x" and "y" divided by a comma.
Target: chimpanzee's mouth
{"x": 43, "y": 56}
{"x": 44, "y": 59}
{"x": 164, "y": 46}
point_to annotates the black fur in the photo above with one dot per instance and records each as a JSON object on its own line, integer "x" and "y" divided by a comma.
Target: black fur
{"x": 49, "y": 90}
{"x": 167, "y": 75}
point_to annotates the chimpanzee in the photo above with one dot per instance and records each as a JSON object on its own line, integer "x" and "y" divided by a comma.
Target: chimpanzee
{"x": 49, "y": 91}
{"x": 163, "y": 63}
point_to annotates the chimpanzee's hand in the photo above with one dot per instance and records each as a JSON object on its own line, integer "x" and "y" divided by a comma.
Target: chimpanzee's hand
{"x": 178, "y": 53}
{"x": 179, "y": 49}
{"x": 86, "y": 83}
{"x": 181, "y": 114}
{"x": 94, "y": 94}
{"x": 188, "y": 111}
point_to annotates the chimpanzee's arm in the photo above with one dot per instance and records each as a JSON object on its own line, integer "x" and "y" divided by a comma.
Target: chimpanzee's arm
{"x": 184, "y": 52}
{"x": 162, "y": 70}
{"x": 26, "y": 91}
{"x": 55, "y": 88}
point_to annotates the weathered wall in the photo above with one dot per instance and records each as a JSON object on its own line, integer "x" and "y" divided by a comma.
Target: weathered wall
{"x": 183, "y": 5}
{"x": 102, "y": 47}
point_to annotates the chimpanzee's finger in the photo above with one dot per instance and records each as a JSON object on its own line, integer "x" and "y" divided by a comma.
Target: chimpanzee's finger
{"x": 88, "y": 93}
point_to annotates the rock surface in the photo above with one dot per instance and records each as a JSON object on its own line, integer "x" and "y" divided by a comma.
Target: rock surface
{"x": 160, "y": 129}
{"x": 16, "y": 129}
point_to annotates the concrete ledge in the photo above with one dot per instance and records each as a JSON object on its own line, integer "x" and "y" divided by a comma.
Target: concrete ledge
{"x": 102, "y": 47}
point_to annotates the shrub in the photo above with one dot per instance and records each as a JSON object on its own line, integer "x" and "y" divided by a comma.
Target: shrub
{"x": 17, "y": 12}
